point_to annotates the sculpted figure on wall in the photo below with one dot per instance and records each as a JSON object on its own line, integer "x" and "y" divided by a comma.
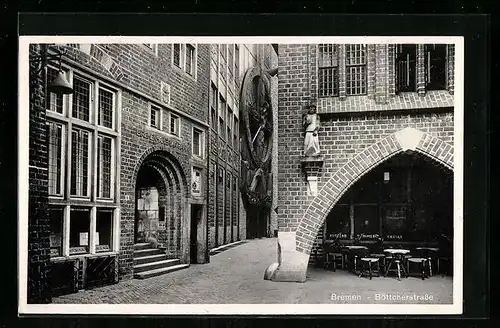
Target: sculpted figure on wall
{"x": 311, "y": 124}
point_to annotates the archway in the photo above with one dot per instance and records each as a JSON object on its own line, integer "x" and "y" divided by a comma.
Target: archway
{"x": 161, "y": 209}
{"x": 294, "y": 247}
{"x": 407, "y": 139}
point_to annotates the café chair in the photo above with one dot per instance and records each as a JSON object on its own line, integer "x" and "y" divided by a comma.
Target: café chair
{"x": 377, "y": 251}
{"x": 420, "y": 259}
{"x": 367, "y": 263}
{"x": 333, "y": 253}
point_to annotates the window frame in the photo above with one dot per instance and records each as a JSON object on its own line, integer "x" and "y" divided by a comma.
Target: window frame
{"x": 201, "y": 143}
{"x": 399, "y": 53}
{"x": 158, "y": 117}
{"x": 90, "y": 203}
{"x": 90, "y": 147}
{"x": 112, "y": 169}
{"x": 363, "y": 82}
{"x": 190, "y": 49}
{"x": 333, "y": 71}
{"x": 177, "y": 120}
{"x": 62, "y": 160}
{"x": 430, "y": 83}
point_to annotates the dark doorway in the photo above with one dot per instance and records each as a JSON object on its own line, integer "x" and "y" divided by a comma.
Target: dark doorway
{"x": 196, "y": 212}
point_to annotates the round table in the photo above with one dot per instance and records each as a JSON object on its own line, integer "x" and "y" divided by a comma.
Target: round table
{"x": 396, "y": 251}
{"x": 433, "y": 249}
{"x": 399, "y": 263}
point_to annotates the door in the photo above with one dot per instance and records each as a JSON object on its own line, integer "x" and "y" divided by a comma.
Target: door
{"x": 196, "y": 211}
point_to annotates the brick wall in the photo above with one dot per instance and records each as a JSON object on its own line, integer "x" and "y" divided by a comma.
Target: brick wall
{"x": 348, "y": 126}
{"x": 38, "y": 220}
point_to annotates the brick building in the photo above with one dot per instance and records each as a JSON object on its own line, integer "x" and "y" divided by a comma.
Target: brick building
{"x": 123, "y": 171}
{"x": 385, "y": 167}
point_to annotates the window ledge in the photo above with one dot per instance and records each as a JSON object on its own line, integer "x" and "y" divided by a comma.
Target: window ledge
{"x": 81, "y": 256}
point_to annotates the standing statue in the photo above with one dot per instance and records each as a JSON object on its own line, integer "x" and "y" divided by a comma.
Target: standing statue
{"x": 311, "y": 123}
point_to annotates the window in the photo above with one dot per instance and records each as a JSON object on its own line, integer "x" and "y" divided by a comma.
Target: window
{"x": 151, "y": 46}
{"x": 229, "y": 133}
{"x": 223, "y": 50}
{"x": 356, "y": 69}
{"x": 222, "y": 114}
{"x": 338, "y": 223}
{"x": 81, "y": 99}
{"x": 198, "y": 143}
{"x": 104, "y": 157}
{"x": 104, "y": 230}
{"x": 328, "y": 70}
{"x": 235, "y": 183}
{"x": 435, "y": 66}
{"x": 56, "y": 231}
{"x": 154, "y": 118}
{"x": 177, "y": 54}
{"x": 406, "y": 64}
{"x": 174, "y": 124}
{"x": 236, "y": 143}
{"x": 213, "y": 106}
{"x": 237, "y": 62}
{"x": 79, "y": 230}
{"x": 80, "y": 162}
{"x": 55, "y": 132}
{"x": 88, "y": 166}
{"x": 230, "y": 60}
{"x": 189, "y": 59}
{"x": 55, "y": 100}
{"x": 106, "y": 105}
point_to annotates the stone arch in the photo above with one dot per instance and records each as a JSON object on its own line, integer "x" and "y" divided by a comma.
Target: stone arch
{"x": 407, "y": 139}
{"x": 175, "y": 181}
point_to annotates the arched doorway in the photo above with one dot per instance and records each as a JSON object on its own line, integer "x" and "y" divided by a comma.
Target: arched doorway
{"x": 407, "y": 199}
{"x": 161, "y": 205}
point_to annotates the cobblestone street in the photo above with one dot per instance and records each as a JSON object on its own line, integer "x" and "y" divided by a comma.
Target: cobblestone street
{"x": 236, "y": 276}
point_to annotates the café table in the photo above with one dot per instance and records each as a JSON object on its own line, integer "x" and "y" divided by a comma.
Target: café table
{"x": 348, "y": 248}
{"x": 397, "y": 257}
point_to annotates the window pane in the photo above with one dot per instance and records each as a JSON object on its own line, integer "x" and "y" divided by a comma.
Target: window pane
{"x": 177, "y": 54}
{"x": 79, "y": 231}
{"x": 338, "y": 223}
{"x": 328, "y": 82}
{"x": 104, "y": 230}
{"x": 104, "y": 167}
{"x": 436, "y": 66}
{"x": 189, "y": 59}
{"x": 55, "y": 158}
{"x": 366, "y": 221}
{"x": 56, "y": 222}
{"x": 197, "y": 142}
{"x": 395, "y": 221}
{"x": 174, "y": 125}
{"x": 81, "y": 99}
{"x": 79, "y": 162}
{"x": 356, "y": 69}
{"x": 55, "y": 100}
{"x": 155, "y": 117}
{"x": 105, "y": 108}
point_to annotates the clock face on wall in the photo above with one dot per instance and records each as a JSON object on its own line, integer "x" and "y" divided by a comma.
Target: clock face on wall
{"x": 256, "y": 134}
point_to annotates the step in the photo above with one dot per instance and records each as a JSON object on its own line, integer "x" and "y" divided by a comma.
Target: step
{"x": 156, "y": 265}
{"x": 148, "y": 251}
{"x": 225, "y": 247}
{"x": 142, "y": 246}
{"x": 149, "y": 259}
{"x": 161, "y": 271}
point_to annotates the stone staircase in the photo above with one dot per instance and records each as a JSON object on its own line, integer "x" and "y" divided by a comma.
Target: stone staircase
{"x": 151, "y": 262}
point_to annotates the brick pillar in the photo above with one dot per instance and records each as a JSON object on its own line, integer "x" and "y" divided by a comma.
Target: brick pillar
{"x": 313, "y": 73}
{"x": 450, "y": 69}
{"x": 38, "y": 220}
{"x": 420, "y": 70}
{"x": 391, "y": 70}
{"x": 381, "y": 73}
{"x": 342, "y": 72}
{"x": 371, "y": 70}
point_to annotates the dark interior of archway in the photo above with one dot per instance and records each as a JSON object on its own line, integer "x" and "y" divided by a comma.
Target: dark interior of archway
{"x": 408, "y": 198}
{"x": 150, "y": 200}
